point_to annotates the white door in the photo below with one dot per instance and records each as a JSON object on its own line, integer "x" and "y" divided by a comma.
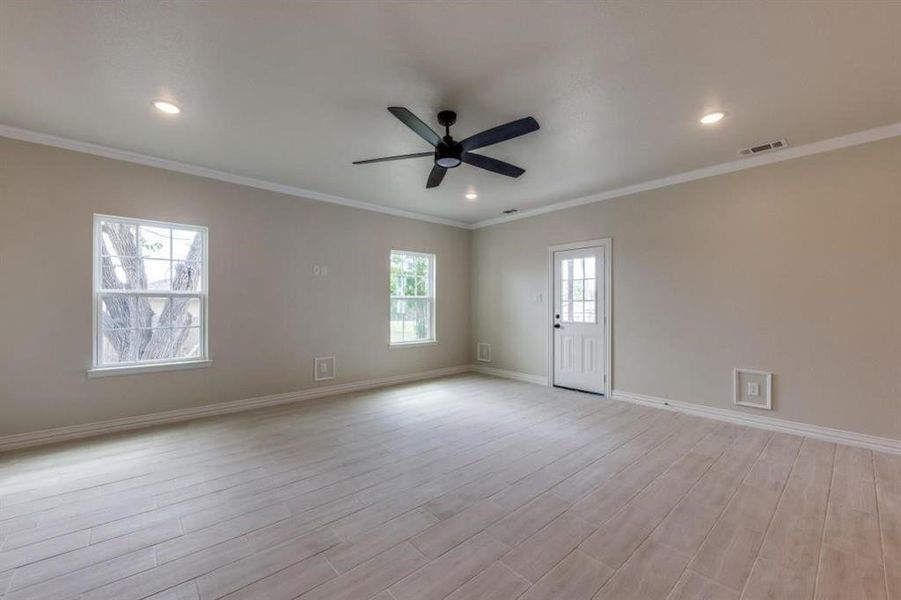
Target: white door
{"x": 579, "y": 337}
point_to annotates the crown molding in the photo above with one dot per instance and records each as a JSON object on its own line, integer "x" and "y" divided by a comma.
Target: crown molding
{"x": 36, "y": 137}
{"x": 792, "y": 152}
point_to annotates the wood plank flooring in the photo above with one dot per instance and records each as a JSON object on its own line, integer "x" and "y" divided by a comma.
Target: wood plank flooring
{"x": 463, "y": 488}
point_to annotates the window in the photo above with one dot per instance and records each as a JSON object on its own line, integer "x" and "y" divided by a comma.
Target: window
{"x": 150, "y": 294}
{"x": 412, "y": 282}
{"x": 578, "y": 290}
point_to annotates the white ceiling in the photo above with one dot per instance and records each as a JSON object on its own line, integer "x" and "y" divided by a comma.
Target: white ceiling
{"x": 293, "y": 92}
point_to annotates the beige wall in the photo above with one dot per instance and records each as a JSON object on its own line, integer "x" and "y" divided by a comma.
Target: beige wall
{"x": 793, "y": 268}
{"x": 269, "y": 317}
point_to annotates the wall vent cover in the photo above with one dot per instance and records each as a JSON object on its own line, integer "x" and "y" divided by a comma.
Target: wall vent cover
{"x": 483, "y": 352}
{"x": 764, "y": 147}
{"x": 324, "y": 368}
{"x": 753, "y": 388}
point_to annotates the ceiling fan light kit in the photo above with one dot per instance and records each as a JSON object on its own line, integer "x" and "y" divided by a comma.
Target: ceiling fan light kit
{"x": 449, "y": 153}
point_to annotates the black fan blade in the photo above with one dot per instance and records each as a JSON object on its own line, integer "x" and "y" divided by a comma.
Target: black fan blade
{"x": 436, "y": 176}
{"x": 492, "y": 164}
{"x": 398, "y": 157}
{"x": 500, "y": 133}
{"x": 416, "y": 124}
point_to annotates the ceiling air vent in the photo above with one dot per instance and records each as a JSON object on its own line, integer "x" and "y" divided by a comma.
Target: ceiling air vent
{"x": 765, "y": 147}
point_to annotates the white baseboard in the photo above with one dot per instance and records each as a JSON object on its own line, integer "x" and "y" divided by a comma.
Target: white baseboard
{"x": 828, "y": 434}
{"x": 526, "y": 377}
{"x": 60, "y": 434}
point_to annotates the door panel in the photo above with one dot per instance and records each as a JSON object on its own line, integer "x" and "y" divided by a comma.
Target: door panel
{"x": 579, "y": 334}
{"x": 589, "y": 355}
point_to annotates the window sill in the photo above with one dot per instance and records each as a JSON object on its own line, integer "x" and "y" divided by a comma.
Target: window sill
{"x": 149, "y": 368}
{"x": 403, "y": 345}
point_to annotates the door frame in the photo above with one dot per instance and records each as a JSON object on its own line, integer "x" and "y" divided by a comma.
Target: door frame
{"x": 607, "y": 245}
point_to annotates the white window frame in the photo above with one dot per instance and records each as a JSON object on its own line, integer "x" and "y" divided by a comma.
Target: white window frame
{"x": 149, "y": 366}
{"x": 433, "y": 312}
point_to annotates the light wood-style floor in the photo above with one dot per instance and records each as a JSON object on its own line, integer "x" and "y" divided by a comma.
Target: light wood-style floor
{"x": 466, "y": 488}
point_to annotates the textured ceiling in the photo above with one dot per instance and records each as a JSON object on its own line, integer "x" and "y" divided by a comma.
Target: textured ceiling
{"x": 293, "y": 92}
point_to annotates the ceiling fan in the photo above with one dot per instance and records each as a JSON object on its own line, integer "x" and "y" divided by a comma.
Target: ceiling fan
{"x": 449, "y": 153}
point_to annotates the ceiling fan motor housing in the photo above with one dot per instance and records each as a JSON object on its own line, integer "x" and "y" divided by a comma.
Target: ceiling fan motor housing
{"x": 446, "y": 118}
{"x": 448, "y": 153}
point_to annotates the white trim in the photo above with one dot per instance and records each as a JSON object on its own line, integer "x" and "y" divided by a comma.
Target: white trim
{"x": 768, "y": 392}
{"x": 405, "y": 345}
{"x": 60, "y": 434}
{"x": 836, "y": 143}
{"x": 432, "y": 298}
{"x": 95, "y": 372}
{"x": 101, "y": 370}
{"x": 607, "y": 245}
{"x": 526, "y": 377}
{"x": 47, "y": 139}
{"x": 838, "y": 436}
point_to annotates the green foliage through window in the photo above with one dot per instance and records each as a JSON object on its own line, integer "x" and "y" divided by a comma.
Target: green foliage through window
{"x": 411, "y": 283}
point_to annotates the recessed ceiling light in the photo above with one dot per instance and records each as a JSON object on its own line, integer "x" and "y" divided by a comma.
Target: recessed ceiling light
{"x": 166, "y": 107}
{"x": 711, "y": 118}
{"x": 471, "y": 196}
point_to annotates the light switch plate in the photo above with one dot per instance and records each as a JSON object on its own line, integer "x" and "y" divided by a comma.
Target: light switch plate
{"x": 753, "y": 388}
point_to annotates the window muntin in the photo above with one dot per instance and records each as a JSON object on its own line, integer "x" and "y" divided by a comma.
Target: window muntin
{"x": 149, "y": 292}
{"x": 578, "y": 290}
{"x": 412, "y": 301}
